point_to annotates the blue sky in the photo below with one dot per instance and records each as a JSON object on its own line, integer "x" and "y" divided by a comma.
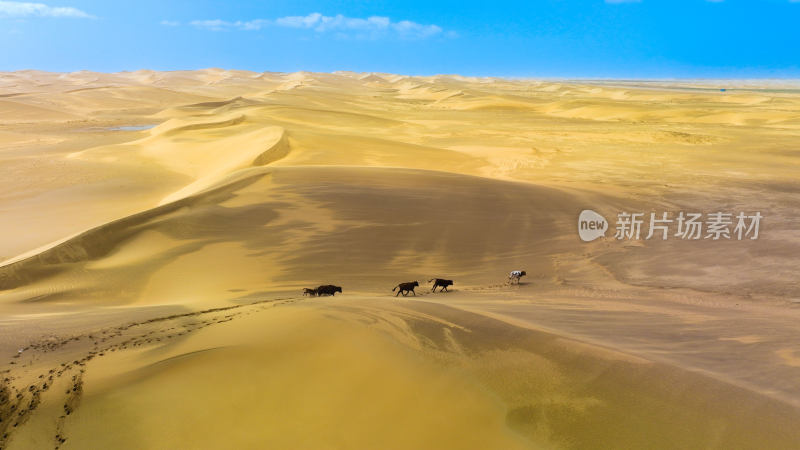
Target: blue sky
{"x": 534, "y": 38}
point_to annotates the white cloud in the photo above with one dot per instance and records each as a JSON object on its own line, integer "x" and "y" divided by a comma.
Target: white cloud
{"x": 214, "y": 25}
{"x": 299, "y": 21}
{"x": 221, "y": 25}
{"x": 318, "y": 22}
{"x": 406, "y": 27}
{"x": 24, "y": 9}
{"x": 170, "y": 23}
{"x": 372, "y": 27}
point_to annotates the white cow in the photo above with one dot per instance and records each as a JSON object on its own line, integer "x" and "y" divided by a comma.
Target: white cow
{"x": 515, "y": 275}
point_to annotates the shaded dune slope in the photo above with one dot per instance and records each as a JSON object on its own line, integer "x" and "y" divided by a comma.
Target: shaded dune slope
{"x": 365, "y": 227}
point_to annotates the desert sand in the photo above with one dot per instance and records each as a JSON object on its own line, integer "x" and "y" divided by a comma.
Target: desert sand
{"x": 158, "y": 229}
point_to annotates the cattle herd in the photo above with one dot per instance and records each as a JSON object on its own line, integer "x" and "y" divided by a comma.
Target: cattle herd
{"x": 407, "y": 287}
{"x": 325, "y": 289}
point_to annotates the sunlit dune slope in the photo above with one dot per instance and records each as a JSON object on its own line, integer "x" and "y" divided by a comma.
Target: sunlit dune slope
{"x": 364, "y": 372}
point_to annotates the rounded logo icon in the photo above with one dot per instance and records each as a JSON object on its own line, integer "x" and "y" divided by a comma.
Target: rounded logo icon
{"x": 591, "y": 225}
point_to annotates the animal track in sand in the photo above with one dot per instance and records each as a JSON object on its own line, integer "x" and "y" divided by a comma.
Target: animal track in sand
{"x": 22, "y": 388}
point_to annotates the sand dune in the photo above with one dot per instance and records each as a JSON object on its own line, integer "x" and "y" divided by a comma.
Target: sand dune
{"x": 375, "y": 373}
{"x": 311, "y": 218}
{"x": 157, "y": 271}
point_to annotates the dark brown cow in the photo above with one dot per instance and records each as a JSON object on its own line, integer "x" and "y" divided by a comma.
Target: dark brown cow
{"x": 405, "y": 288}
{"x": 440, "y": 282}
{"x": 328, "y": 289}
{"x": 308, "y": 291}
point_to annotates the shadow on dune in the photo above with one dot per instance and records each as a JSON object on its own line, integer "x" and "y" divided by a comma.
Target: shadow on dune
{"x": 359, "y": 226}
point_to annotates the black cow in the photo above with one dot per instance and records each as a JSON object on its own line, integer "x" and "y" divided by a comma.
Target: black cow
{"x": 328, "y": 289}
{"x": 405, "y": 288}
{"x": 311, "y": 292}
{"x": 440, "y": 282}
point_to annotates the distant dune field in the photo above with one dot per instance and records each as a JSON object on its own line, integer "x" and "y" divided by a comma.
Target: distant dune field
{"x": 158, "y": 229}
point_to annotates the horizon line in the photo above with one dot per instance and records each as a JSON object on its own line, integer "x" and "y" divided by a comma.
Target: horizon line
{"x": 442, "y": 74}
